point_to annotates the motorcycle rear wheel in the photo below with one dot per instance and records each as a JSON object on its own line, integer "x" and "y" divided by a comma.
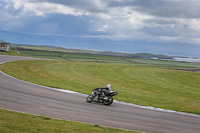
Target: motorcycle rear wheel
{"x": 89, "y": 99}
{"x": 109, "y": 101}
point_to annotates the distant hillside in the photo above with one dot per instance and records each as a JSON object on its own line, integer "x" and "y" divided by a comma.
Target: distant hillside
{"x": 80, "y": 51}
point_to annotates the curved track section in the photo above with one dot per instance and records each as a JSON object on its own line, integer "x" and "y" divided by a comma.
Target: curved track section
{"x": 34, "y": 99}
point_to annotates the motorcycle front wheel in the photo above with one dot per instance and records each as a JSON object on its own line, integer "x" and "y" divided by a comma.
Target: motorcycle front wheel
{"x": 89, "y": 99}
{"x": 109, "y": 101}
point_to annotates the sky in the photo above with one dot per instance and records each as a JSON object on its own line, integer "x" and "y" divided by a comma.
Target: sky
{"x": 170, "y": 27}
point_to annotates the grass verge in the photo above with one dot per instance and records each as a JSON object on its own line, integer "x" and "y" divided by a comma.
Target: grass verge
{"x": 15, "y": 122}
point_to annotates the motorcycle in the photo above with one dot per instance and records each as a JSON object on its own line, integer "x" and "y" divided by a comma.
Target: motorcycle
{"x": 106, "y": 99}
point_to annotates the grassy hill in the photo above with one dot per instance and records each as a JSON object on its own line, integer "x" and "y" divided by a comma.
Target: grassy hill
{"x": 158, "y": 83}
{"x": 79, "y": 51}
{"x": 87, "y": 57}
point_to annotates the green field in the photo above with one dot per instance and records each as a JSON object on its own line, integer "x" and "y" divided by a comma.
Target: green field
{"x": 158, "y": 83}
{"x": 143, "y": 85}
{"x": 70, "y": 56}
{"x": 14, "y": 122}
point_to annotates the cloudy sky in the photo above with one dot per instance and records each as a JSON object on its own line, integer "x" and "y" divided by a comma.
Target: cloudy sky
{"x": 169, "y": 27}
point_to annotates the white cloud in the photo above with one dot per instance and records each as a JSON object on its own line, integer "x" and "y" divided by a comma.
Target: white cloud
{"x": 42, "y": 8}
{"x": 155, "y": 20}
{"x": 102, "y": 28}
{"x": 17, "y": 5}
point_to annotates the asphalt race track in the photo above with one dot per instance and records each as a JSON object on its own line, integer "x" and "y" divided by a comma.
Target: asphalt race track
{"x": 34, "y": 99}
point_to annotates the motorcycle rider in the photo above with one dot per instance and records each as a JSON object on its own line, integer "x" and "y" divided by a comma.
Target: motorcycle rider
{"x": 107, "y": 89}
{"x": 103, "y": 91}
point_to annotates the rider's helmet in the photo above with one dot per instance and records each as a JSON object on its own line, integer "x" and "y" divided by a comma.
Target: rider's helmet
{"x": 108, "y": 85}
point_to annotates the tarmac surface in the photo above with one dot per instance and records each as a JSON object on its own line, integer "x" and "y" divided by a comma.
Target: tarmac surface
{"x": 25, "y": 97}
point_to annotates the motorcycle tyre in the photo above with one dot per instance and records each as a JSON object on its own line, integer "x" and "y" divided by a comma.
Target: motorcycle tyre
{"x": 108, "y": 102}
{"x": 89, "y": 99}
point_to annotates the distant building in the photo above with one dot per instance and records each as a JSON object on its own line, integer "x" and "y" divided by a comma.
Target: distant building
{"x": 4, "y": 46}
